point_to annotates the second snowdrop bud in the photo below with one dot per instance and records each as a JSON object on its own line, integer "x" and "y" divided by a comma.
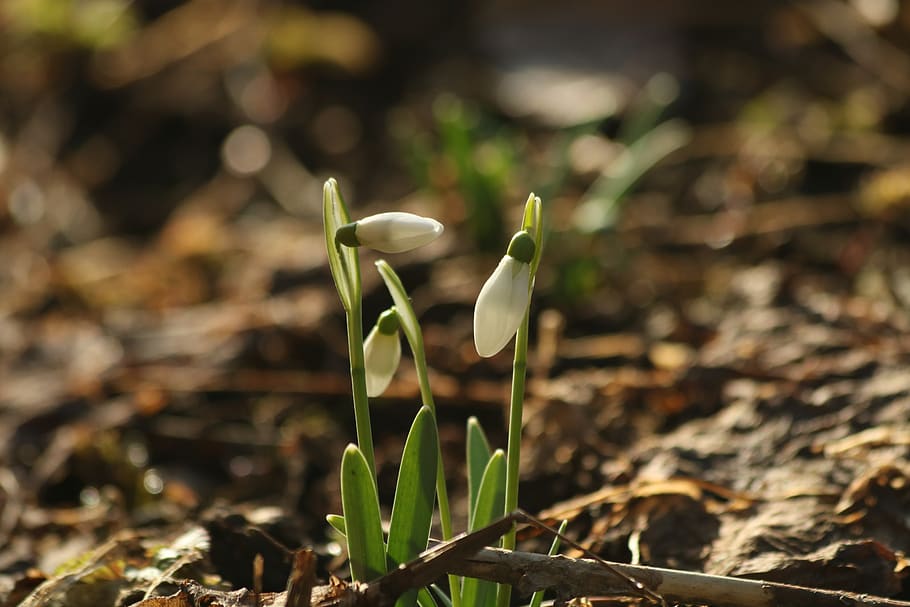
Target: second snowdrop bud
{"x": 382, "y": 352}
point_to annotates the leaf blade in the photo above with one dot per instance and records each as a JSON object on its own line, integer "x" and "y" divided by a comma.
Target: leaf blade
{"x": 343, "y": 261}
{"x": 477, "y": 457}
{"x": 409, "y": 323}
{"x": 337, "y": 523}
{"x": 425, "y": 599}
{"x": 415, "y": 493}
{"x": 537, "y": 597}
{"x": 490, "y": 504}
{"x": 362, "y": 520}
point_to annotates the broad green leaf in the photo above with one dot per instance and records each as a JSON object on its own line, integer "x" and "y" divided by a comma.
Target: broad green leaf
{"x": 343, "y": 261}
{"x": 478, "y": 454}
{"x": 537, "y": 598}
{"x": 362, "y": 521}
{"x": 415, "y": 494}
{"x": 490, "y": 504}
{"x": 337, "y": 522}
{"x": 490, "y": 496}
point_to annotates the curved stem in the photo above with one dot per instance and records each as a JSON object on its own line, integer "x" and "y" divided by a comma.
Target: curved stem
{"x": 513, "y": 454}
{"x": 423, "y": 378}
{"x": 445, "y": 515}
{"x": 411, "y": 329}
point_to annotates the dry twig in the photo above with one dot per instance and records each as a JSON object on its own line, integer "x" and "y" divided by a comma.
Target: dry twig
{"x": 569, "y": 577}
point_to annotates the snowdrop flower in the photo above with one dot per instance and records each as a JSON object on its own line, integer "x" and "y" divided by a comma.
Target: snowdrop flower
{"x": 504, "y": 298}
{"x": 382, "y": 352}
{"x": 393, "y": 232}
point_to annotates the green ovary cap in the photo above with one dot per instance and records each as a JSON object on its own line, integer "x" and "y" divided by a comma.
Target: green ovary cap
{"x": 388, "y": 322}
{"x": 522, "y": 247}
{"x": 347, "y": 235}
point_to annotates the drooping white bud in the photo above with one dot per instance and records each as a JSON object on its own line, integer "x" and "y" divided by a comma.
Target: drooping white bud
{"x": 392, "y": 232}
{"x": 382, "y": 353}
{"x": 504, "y": 298}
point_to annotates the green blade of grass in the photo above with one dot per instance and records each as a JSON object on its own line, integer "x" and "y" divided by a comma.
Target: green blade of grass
{"x": 337, "y": 523}
{"x": 490, "y": 504}
{"x": 478, "y": 455}
{"x": 601, "y": 204}
{"x": 481, "y": 191}
{"x": 415, "y": 493}
{"x": 537, "y": 597}
{"x": 425, "y": 599}
{"x": 648, "y": 107}
{"x": 440, "y": 596}
{"x": 362, "y": 520}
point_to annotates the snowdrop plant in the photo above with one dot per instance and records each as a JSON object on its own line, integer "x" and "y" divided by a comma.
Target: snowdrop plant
{"x": 420, "y": 477}
{"x": 506, "y": 297}
{"x": 501, "y": 312}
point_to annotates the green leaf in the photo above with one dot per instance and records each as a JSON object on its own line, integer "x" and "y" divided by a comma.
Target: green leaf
{"x": 406, "y": 315}
{"x": 645, "y": 111}
{"x": 537, "y": 597}
{"x": 343, "y": 261}
{"x": 490, "y": 497}
{"x": 478, "y": 454}
{"x": 425, "y": 599}
{"x": 441, "y": 596}
{"x": 481, "y": 189}
{"x": 362, "y": 521}
{"x": 602, "y": 203}
{"x": 415, "y": 494}
{"x": 337, "y": 522}
{"x": 490, "y": 504}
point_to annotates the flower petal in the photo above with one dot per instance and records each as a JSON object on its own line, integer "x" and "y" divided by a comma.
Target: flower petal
{"x": 501, "y": 306}
{"x": 381, "y": 354}
{"x": 396, "y": 232}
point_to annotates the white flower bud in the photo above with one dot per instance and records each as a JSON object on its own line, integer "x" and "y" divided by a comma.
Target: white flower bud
{"x": 501, "y": 305}
{"x": 382, "y": 353}
{"x": 392, "y": 232}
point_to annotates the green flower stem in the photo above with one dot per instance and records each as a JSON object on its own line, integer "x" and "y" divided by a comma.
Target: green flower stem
{"x": 359, "y": 384}
{"x": 445, "y": 515}
{"x": 344, "y": 263}
{"x": 423, "y": 378}
{"x": 513, "y": 453}
{"x": 411, "y": 329}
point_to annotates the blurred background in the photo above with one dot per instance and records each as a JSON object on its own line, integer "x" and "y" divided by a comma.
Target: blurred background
{"x": 169, "y": 337}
